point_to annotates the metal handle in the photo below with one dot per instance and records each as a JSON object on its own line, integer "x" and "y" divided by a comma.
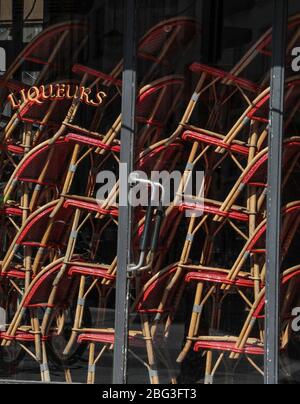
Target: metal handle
{"x": 134, "y": 178}
{"x": 157, "y": 226}
{"x": 147, "y": 228}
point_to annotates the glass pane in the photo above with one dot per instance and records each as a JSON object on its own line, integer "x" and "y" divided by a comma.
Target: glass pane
{"x": 60, "y": 106}
{"x": 206, "y": 115}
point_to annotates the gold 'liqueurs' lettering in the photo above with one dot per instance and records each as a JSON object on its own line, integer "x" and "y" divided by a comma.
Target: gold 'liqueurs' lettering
{"x": 60, "y": 91}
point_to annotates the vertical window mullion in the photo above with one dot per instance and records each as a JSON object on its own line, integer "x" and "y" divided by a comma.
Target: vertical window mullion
{"x": 274, "y": 216}
{"x": 125, "y": 212}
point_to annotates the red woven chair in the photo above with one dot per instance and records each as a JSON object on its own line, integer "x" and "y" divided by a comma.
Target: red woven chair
{"x": 36, "y": 298}
{"x": 146, "y": 305}
{"x": 243, "y": 344}
{"x": 160, "y": 159}
{"x": 219, "y": 213}
{"x": 47, "y": 164}
{"x": 51, "y": 232}
{"x": 239, "y": 277}
{"x": 52, "y": 291}
{"x": 48, "y": 230}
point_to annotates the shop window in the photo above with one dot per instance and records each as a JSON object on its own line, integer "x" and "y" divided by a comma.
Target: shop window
{"x": 202, "y": 106}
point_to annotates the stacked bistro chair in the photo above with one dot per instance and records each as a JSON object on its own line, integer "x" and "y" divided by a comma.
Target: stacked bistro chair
{"x": 55, "y": 229}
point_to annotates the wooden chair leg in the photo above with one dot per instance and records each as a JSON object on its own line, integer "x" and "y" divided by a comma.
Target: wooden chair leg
{"x": 254, "y": 365}
{"x": 195, "y": 314}
{"x": 37, "y": 336}
{"x": 91, "y": 368}
{"x": 217, "y": 365}
{"x": 208, "y": 368}
{"x": 195, "y": 319}
{"x": 153, "y": 372}
{"x": 78, "y": 315}
{"x": 45, "y": 364}
{"x": 68, "y": 375}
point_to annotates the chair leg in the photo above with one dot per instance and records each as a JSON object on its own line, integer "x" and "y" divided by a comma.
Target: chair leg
{"x": 153, "y": 372}
{"x": 78, "y": 315}
{"x": 255, "y": 365}
{"x": 211, "y": 370}
{"x": 91, "y": 369}
{"x": 42, "y": 372}
{"x": 45, "y": 365}
{"x": 37, "y": 338}
{"x": 68, "y": 375}
{"x": 197, "y": 311}
{"x": 208, "y": 368}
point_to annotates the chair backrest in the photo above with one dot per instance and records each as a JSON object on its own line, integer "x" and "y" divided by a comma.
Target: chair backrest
{"x": 29, "y": 169}
{"x": 32, "y": 232}
{"x": 288, "y": 275}
{"x": 257, "y": 241}
{"x": 31, "y": 166}
{"x": 156, "y": 101}
{"x": 161, "y": 158}
{"x": 260, "y": 110}
{"x": 153, "y": 292}
{"x": 41, "y": 288}
{"x": 257, "y": 172}
{"x": 166, "y": 39}
{"x": 37, "y": 223}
